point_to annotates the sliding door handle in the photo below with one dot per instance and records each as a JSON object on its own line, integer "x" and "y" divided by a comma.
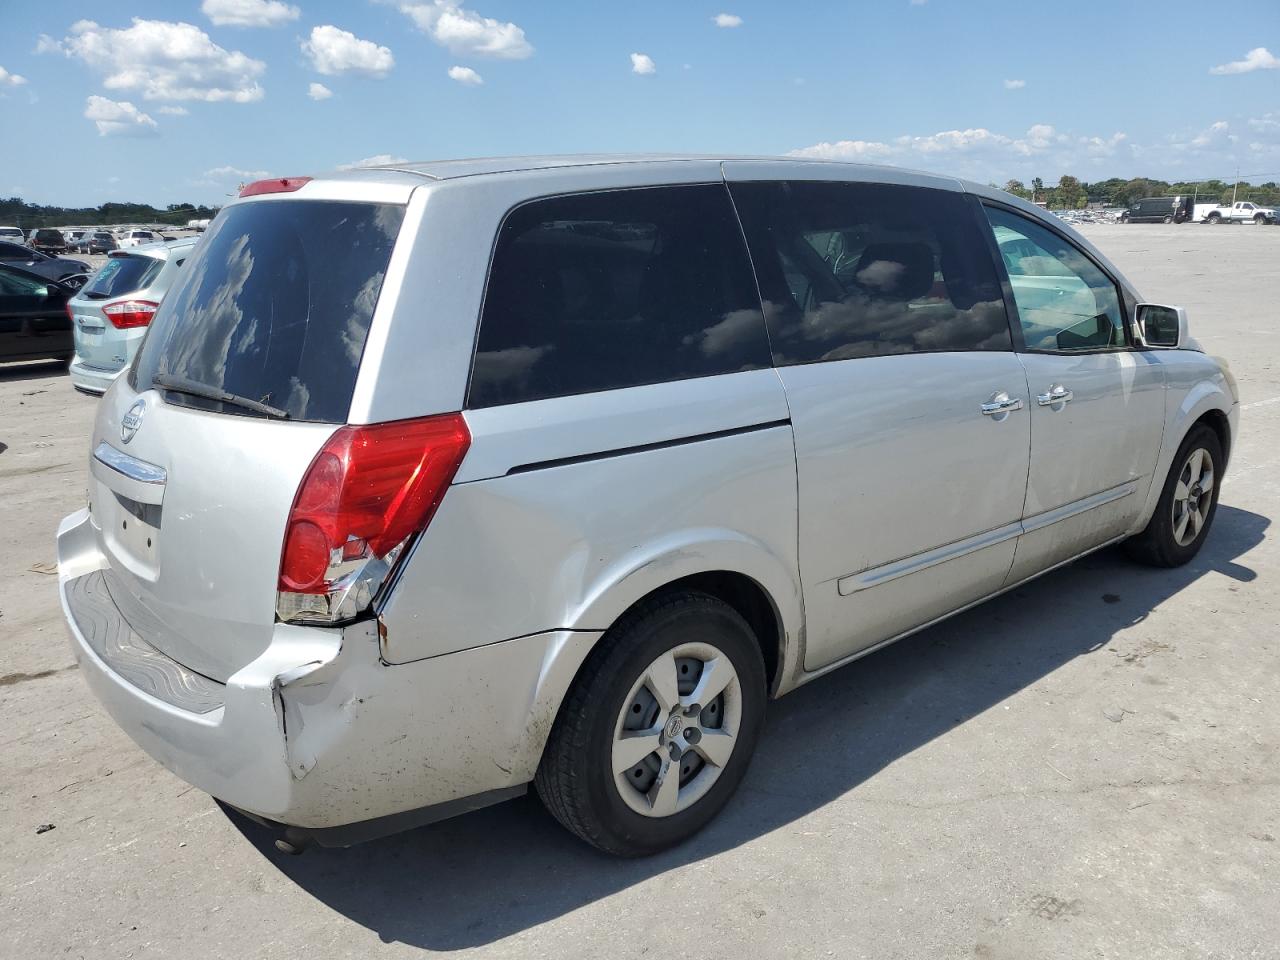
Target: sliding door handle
{"x": 1058, "y": 394}
{"x": 1000, "y": 405}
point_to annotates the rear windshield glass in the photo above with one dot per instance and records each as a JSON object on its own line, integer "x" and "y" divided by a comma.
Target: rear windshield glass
{"x": 121, "y": 275}
{"x": 274, "y": 306}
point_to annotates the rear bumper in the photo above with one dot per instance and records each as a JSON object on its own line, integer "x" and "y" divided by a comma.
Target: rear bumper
{"x": 93, "y": 379}
{"x": 318, "y": 732}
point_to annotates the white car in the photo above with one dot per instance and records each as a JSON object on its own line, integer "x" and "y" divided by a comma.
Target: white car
{"x": 136, "y": 238}
{"x": 1241, "y": 211}
{"x": 13, "y": 235}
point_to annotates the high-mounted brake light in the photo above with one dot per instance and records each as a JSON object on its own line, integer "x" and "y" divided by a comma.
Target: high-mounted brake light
{"x": 127, "y": 314}
{"x": 366, "y": 493}
{"x": 274, "y": 185}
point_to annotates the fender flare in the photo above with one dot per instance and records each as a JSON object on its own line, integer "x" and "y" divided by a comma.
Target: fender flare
{"x": 683, "y": 553}
{"x": 1205, "y": 397}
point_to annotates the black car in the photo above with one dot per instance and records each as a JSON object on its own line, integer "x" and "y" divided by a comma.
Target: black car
{"x": 48, "y": 240}
{"x": 1159, "y": 210}
{"x": 33, "y": 261}
{"x": 34, "y": 323}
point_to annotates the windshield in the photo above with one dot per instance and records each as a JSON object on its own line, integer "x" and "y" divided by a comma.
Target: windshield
{"x": 274, "y": 306}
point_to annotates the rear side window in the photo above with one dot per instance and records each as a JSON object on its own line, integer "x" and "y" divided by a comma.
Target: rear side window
{"x": 274, "y": 305}
{"x": 606, "y": 290}
{"x": 863, "y": 270}
{"x": 121, "y": 275}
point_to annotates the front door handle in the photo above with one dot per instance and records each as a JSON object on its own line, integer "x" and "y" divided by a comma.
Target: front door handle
{"x": 1000, "y": 405}
{"x": 1057, "y": 395}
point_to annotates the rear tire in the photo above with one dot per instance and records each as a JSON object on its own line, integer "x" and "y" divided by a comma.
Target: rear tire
{"x": 596, "y": 777}
{"x": 1168, "y": 219}
{"x": 1182, "y": 519}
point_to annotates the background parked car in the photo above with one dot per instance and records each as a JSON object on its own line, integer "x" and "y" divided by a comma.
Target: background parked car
{"x": 136, "y": 238}
{"x": 1242, "y": 211}
{"x": 33, "y": 261}
{"x": 33, "y": 316}
{"x": 48, "y": 240}
{"x": 1159, "y": 210}
{"x": 111, "y": 312}
{"x": 96, "y": 241}
{"x": 12, "y": 235}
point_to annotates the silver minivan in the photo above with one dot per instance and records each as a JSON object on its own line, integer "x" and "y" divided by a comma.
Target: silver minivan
{"x": 433, "y": 481}
{"x": 111, "y": 313}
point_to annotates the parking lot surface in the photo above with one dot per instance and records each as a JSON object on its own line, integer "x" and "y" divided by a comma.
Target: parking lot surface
{"x": 1086, "y": 767}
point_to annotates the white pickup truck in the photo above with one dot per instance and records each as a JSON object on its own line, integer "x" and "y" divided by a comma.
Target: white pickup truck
{"x": 1239, "y": 212}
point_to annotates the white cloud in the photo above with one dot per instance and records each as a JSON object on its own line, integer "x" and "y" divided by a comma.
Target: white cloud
{"x": 334, "y": 51}
{"x": 465, "y": 76}
{"x": 8, "y": 79}
{"x": 1259, "y": 58}
{"x": 173, "y": 111}
{"x": 1014, "y": 84}
{"x": 1215, "y": 133}
{"x": 318, "y": 91}
{"x": 1103, "y": 147}
{"x": 163, "y": 61}
{"x": 249, "y": 13}
{"x": 845, "y": 150}
{"x": 727, "y": 20}
{"x": 224, "y": 174}
{"x": 465, "y": 32}
{"x": 378, "y": 160}
{"x": 643, "y": 64}
{"x": 975, "y": 141}
{"x": 118, "y": 118}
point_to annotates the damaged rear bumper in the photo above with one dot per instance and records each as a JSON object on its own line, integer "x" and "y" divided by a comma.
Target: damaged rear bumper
{"x": 318, "y": 732}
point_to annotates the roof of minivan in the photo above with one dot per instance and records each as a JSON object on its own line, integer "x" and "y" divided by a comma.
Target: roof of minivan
{"x": 480, "y": 166}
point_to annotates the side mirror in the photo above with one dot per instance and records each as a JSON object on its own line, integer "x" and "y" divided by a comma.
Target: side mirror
{"x": 1161, "y": 326}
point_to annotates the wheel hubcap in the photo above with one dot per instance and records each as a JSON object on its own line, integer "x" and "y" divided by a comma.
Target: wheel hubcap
{"x": 677, "y": 730}
{"x": 1192, "y": 497}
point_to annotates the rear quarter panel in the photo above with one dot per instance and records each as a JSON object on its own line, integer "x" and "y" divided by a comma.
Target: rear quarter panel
{"x": 573, "y": 546}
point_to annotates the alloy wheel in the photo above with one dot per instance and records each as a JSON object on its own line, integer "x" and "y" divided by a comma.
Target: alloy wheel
{"x": 1192, "y": 496}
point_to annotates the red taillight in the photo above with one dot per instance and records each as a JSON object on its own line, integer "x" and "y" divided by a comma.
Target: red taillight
{"x": 125, "y": 314}
{"x": 274, "y": 185}
{"x": 367, "y": 491}
{"x": 67, "y": 307}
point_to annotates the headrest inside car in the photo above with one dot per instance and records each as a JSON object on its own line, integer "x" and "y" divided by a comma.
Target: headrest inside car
{"x": 897, "y": 271}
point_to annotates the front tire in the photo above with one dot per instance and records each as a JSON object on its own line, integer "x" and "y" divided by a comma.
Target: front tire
{"x": 1187, "y": 505}
{"x": 658, "y": 728}
{"x": 1259, "y": 219}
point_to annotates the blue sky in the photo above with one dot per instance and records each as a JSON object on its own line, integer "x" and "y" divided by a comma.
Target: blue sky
{"x": 167, "y": 101}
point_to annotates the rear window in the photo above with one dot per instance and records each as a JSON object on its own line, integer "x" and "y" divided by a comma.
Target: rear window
{"x": 274, "y": 306}
{"x": 608, "y": 290}
{"x": 122, "y": 275}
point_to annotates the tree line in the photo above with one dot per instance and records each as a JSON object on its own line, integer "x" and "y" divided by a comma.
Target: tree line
{"x": 17, "y": 212}
{"x": 1073, "y": 194}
